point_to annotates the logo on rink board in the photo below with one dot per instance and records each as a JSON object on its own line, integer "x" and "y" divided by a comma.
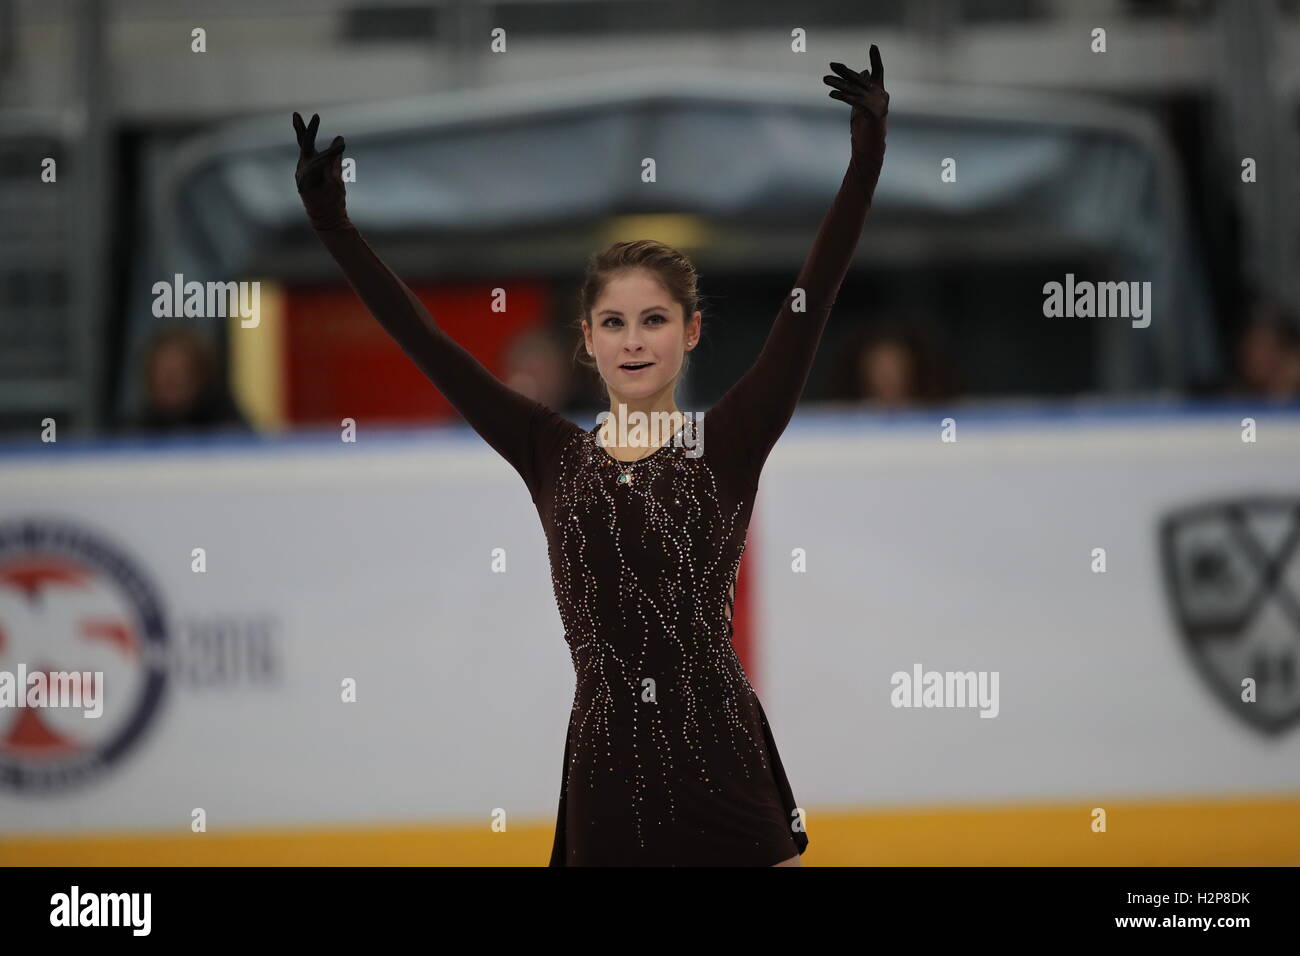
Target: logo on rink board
{"x": 71, "y": 600}
{"x": 1232, "y": 569}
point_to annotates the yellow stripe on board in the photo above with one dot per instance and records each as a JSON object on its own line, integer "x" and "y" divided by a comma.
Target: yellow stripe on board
{"x": 1236, "y": 832}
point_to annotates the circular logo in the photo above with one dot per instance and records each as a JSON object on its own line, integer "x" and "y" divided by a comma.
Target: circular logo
{"x": 73, "y": 605}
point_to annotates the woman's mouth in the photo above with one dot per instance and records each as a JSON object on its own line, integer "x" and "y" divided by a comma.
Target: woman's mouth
{"x": 633, "y": 368}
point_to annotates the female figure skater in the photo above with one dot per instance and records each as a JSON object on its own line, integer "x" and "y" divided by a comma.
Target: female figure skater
{"x": 669, "y": 759}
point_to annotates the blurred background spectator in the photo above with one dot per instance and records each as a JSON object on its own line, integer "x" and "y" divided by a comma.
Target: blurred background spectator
{"x": 538, "y": 365}
{"x": 1268, "y": 354}
{"x": 184, "y": 386}
{"x": 894, "y": 363}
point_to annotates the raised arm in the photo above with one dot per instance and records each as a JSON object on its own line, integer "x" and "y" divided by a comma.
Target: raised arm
{"x": 520, "y": 429}
{"x": 750, "y": 417}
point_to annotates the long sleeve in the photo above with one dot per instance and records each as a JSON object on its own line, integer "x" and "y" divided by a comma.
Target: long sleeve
{"x": 521, "y": 430}
{"x": 747, "y": 421}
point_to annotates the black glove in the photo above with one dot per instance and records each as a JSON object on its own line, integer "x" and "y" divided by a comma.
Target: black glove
{"x": 865, "y": 92}
{"x": 320, "y": 177}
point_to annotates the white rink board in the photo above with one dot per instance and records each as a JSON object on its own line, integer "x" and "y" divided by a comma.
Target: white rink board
{"x": 374, "y": 562}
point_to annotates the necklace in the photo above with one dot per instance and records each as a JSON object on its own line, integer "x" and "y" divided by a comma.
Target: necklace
{"x": 626, "y": 468}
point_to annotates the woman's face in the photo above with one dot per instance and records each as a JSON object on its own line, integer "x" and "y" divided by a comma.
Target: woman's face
{"x": 1260, "y": 356}
{"x": 886, "y": 373}
{"x": 635, "y": 321}
{"x": 174, "y": 378}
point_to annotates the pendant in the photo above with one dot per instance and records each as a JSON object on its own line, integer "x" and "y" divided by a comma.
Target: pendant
{"x": 625, "y": 478}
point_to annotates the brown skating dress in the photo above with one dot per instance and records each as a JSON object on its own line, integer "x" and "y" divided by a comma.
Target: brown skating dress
{"x": 669, "y": 759}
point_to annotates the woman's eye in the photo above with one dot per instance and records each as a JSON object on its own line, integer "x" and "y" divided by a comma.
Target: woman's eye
{"x": 613, "y": 318}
